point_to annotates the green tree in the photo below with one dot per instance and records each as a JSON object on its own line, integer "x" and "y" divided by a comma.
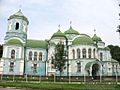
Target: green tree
{"x": 59, "y": 59}
{"x": 115, "y": 52}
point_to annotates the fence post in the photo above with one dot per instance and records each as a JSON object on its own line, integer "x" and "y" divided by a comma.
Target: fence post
{"x": 69, "y": 78}
{"x": 84, "y": 77}
{"x": 1, "y": 77}
{"x": 40, "y": 78}
{"x": 26, "y": 77}
{"x": 101, "y": 74}
{"x": 116, "y": 75}
{"x": 54, "y": 78}
{"x": 13, "y": 77}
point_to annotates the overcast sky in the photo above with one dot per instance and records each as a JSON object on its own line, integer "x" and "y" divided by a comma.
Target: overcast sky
{"x": 45, "y": 15}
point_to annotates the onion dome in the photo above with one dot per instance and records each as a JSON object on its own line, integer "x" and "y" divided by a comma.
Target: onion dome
{"x": 96, "y": 38}
{"x": 58, "y": 34}
{"x": 19, "y": 15}
{"x": 83, "y": 39}
{"x": 71, "y": 31}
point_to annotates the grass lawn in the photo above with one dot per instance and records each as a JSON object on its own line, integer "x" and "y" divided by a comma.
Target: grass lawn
{"x": 59, "y": 86}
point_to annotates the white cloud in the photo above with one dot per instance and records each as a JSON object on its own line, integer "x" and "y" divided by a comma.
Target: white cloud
{"x": 45, "y": 15}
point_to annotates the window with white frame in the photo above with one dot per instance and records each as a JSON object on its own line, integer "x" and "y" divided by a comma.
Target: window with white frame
{"x": 17, "y": 26}
{"x": 94, "y": 53}
{"x": 35, "y": 56}
{"x": 11, "y": 68}
{"x": 13, "y": 54}
{"x": 40, "y": 55}
{"x": 78, "y": 53}
{"x": 30, "y": 55}
{"x": 34, "y": 68}
{"x": 89, "y": 53}
{"x": 79, "y": 67}
{"x": 101, "y": 56}
{"x": 73, "y": 53}
{"x": 84, "y": 53}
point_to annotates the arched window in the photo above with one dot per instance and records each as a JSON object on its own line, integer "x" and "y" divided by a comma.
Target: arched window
{"x": 101, "y": 56}
{"x": 17, "y": 26}
{"x": 78, "y": 67}
{"x": 89, "y": 53}
{"x": 78, "y": 53}
{"x": 73, "y": 53}
{"x": 94, "y": 53}
{"x": 35, "y": 56}
{"x": 84, "y": 53}
{"x": 40, "y": 55}
{"x": 35, "y": 68}
{"x": 30, "y": 55}
{"x": 13, "y": 54}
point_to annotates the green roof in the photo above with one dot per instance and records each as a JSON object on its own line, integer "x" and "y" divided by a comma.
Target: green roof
{"x": 107, "y": 48}
{"x": 14, "y": 42}
{"x": 37, "y": 44}
{"x": 19, "y": 15}
{"x": 88, "y": 65}
{"x": 114, "y": 61}
{"x": 58, "y": 34}
{"x": 83, "y": 39}
{"x": 71, "y": 31}
{"x": 96, "y": 38}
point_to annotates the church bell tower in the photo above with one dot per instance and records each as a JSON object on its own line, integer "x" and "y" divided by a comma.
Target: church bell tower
{"x": 17, "y": 27}
{"x": 13, "y": 59}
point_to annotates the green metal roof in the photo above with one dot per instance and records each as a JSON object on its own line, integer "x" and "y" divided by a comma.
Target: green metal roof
{"x": 58, "y": 34}
{"x": 14, "y": 42}
{"x": 114, "y": 61}
{"x": 19, "y": 15}
{"x": 37, "y": 44}
{"x": 71, "y": 31}
{"x": 88, "y": 65}
{"x": 96, "y": 38}
{"x": 83, "y": 39}
{"x": 107, "y": 48}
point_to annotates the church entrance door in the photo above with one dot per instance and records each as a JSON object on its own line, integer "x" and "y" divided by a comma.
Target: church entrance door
{"x": 95, "y": 69}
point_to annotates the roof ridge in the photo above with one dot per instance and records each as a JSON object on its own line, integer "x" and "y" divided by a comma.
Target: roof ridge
{"x": 35, "y": 40}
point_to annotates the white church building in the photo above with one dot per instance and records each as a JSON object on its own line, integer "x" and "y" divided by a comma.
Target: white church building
{"x": 85, "y": 55}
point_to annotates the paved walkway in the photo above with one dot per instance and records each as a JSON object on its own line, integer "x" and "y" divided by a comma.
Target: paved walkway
{"x": 10, "y": 88}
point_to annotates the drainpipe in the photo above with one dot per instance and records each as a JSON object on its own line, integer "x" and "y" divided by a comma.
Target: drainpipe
{"x": 25, "y": 55}
{"x": 24, "y": 59}
{"x": 67, "y": 56}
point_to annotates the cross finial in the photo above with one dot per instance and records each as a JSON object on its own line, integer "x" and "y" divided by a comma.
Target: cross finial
{"x": 118, "y": 30}
{"x": 70, "y": 23}
{"x": 59, "y": 27}
{"x": 94, "y": 31}
{"x": 20, "y": 6}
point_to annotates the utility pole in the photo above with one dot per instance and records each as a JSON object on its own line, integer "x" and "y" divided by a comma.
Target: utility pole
{"x": 118, "y": 27}
{"x": 116, "y": 75}
{"x": 118, "y": 30}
